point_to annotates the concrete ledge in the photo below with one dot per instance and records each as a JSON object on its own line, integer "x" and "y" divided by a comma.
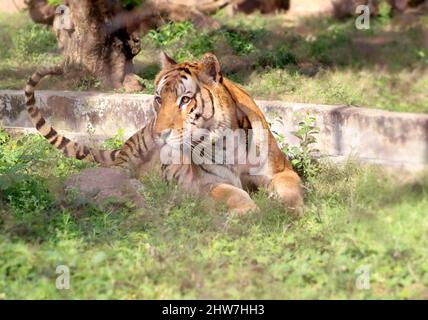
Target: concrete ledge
{"x": 376, "y": 136}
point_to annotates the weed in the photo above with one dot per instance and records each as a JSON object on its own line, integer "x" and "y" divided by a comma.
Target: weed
{"x": 302, "y": 156}
{"x": 170, "y": 32}
{"x": 115, "y": 142}
{"x": 385, "y": 12}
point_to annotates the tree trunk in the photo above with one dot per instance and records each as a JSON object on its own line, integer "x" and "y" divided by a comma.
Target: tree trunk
{"x": 92, "y": 40}
{"x": 40, "y": 11}
{"x": 102, "y": 38}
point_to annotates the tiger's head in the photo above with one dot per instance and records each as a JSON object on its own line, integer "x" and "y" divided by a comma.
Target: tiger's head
{"x": 190, "y": 97}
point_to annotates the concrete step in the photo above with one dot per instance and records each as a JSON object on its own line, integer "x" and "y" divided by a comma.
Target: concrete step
{"x": 370, "y": 135}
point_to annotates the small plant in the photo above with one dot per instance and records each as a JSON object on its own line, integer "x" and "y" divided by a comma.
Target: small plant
{"x": 182, "y": 40}
{"x": 302, "y": 155}
{"x": 385, "y": 12}
{"x": 170, "y": 32}
{"x": 115, "y": 142}
{"x": 196, "y": 46}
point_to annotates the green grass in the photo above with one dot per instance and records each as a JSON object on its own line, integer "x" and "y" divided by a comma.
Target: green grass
{"x": 184, "y": 247}
{"x": 311, "y": 60}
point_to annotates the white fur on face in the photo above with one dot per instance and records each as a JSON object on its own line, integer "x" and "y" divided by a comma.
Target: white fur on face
{"x": 184, "y": 86}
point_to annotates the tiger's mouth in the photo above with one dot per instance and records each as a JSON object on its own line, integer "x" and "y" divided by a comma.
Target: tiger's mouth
{"x": 170, "y": 138}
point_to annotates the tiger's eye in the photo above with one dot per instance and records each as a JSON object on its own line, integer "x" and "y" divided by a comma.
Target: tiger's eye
{"x": 158, "y": 100}
{"x": 185, "y": 100}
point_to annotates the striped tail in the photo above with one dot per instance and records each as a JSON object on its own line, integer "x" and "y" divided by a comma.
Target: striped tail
{"x": 66, "y": 146}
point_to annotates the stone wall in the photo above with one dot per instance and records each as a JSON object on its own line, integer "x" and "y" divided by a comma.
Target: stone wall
{"x": 389, "y": 138}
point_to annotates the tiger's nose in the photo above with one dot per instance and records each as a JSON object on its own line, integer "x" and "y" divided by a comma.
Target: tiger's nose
{"x": 165, "y": 134}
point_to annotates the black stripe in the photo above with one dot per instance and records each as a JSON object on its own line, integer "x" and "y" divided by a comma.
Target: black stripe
{"x": 40, "y": 123}
{"x": 124, "y": 157}
{"x": 31, "y": 82}
{"x": 31, "y": 110}
{"x": 211, "y": 97}
{"x": 208, "y": 171}
{"x": 51, "y": 133}
{"x": 230, "y": 94}
{"x": 144, "y": 142}
{"x": 54, "y": 141}
{"x": 193, "y": 109}
{"x": 202, "y": 101}
{"x": 63, "y": 143}
{"x": 83, "y": 154}
{"x": 28, "y": 93}
{"x": 129, "y": 145}
{"x": 113, "y": 155}
{"x": 31, "y": 101}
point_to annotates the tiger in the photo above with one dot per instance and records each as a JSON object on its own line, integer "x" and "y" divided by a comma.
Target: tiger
{"x": 194, "y": 97}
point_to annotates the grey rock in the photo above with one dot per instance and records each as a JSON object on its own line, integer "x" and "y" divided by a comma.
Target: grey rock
{"x": 104, "y": 187}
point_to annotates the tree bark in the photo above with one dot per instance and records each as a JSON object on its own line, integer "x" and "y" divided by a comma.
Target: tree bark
{"x": 102, "y": 38}
{"x": 90, "y": 39}
{"x": 40, "y": 11}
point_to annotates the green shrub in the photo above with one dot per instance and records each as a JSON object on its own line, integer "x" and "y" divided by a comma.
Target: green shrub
{"x": 171, "y": 32}
{"x": 243, "y": 42}
{"x": 279, "y": 57}
{"x": 326, "y": 46}
{"x": 115, "y": 142}
{"x": 385, "y": 12}
{"x": 26, "y": 195}
{"x": 302, "y": 156}
{"x": 182, "y": 40}
{"x": 33, "y": 40}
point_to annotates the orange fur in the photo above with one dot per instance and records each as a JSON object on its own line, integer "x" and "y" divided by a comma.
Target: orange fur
{"x": 190, "y": 97}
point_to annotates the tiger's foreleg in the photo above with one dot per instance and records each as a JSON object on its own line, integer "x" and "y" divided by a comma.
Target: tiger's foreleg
{"x": 287, "y": 186}
{"x": 237, "y": 200}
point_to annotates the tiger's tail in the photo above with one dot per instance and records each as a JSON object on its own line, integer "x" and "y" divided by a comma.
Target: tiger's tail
{"x": 66, "y": 146}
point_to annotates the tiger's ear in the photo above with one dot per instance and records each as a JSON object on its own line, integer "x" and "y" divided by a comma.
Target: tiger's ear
{"x": 166, "y": 61}
{"x": 211, "y": 69}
